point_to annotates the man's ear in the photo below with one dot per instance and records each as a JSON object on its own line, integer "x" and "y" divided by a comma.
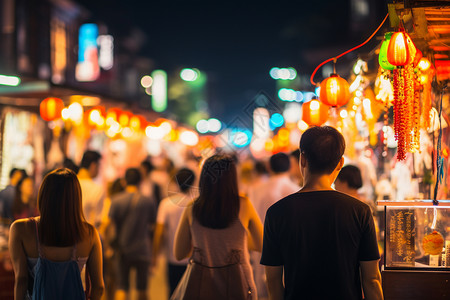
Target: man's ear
{"x": 302, "y": 161}
{"x": 340, "y": 164}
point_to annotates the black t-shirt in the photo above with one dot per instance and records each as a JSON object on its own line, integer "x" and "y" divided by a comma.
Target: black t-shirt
{"x": 320, "y": 238}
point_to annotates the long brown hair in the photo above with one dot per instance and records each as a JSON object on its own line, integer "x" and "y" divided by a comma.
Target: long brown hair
{"x": 59, "y": 203}
{"x": 218, "y": 203}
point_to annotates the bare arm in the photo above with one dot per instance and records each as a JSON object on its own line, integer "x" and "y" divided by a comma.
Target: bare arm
{"x": 157, "y": 239}
{"x": 183, "y": 239}
{"x": 19, "y": 259}
{"x": 275, "y": 286}
{"x": 371, "y": 280}
{"x": 95, "y": 267}
{"x": 255, "y": 228}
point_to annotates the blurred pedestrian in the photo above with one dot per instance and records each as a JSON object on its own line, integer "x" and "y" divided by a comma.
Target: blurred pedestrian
{"x": 148, "y": 187}
{"x": 133, "y": 217}
{"x": 93, "y": 193}
{"x": 8, "y": 194}
{"x": 169, "y": 213}
{"x": 50, "y": 251}
{"x": 349, "y": 181}
{"x": 24, "y": 205}
{"x": 69, "y": 164}
{"x": 296, "y": 174}
{"x": 278, "y": 186}
{"x": 218, "y": 229}
{"x": 110, "y": 261}
{"x": 319, "y": 243}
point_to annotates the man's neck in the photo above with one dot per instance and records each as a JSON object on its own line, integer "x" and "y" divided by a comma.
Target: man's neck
{"x": 315, "y": 182}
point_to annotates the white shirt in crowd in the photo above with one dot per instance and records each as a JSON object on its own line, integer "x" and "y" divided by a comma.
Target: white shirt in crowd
{"x": 169, "y": 214}
{"x": 275, "y": 188}
{"x": 93, "y": 195}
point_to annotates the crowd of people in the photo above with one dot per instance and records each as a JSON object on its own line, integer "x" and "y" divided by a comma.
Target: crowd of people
{"x": 274, "y": 218}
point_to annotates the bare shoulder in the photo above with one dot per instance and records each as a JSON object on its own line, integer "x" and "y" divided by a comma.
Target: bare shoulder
{"x": 91, "y": 231}
{"x": 24, "y": 227}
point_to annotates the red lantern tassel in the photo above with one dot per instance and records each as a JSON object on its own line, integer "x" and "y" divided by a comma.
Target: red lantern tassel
{"x": 402, "y": 112}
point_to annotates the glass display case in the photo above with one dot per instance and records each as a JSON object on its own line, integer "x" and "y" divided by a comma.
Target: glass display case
{"x": 417, "y": 235}
{"x": 416, "y": 249}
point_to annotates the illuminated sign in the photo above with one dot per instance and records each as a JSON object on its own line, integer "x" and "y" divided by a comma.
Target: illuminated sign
{"x": 106, "y": 52}
{"x": 87, "y": 67}
{"x": 159, "y": 90}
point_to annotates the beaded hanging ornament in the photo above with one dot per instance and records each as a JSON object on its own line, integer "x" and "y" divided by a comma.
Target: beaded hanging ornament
{"x": 401, "y": 53}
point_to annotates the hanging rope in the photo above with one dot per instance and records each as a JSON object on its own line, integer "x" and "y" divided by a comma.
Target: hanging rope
{"x": 348, "y": 51}
{"x": 439, "y": 159}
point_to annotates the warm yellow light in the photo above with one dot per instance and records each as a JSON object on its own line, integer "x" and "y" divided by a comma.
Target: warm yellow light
{"x": 76, "y": 112}
{"x": 302, "y": 125}
{"x": 424, "y": 64}
{"x": 65, "y": 114}
{"x": 268, "y": 146}
{"x": 283, "y": 133}
{"x": 315, "y": 105}
{"x": 189, "y": 138}
{"x": 343, "y": 114}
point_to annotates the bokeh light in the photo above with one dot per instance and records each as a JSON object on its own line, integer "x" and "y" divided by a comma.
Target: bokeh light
{"x": 146, "y": 81}
{"x": 188, "y": 74}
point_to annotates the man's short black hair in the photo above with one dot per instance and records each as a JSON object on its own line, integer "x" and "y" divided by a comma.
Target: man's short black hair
{"x": 351, "y": 175}
{"x": 280, "y": 162}
{"x": 148, "y": 166}
{"x": 11, "y": 173}
{"x": 260, "y": 167}
{"x": 323, "y": 148}
{"x": 133, "y": 176}
{"x": 295, "y": 154}
{"x": 185, "y": 178}
{"x": 89, "y": 157}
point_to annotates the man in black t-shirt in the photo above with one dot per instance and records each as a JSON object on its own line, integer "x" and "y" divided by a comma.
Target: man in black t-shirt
{"x": 323, "y": 240}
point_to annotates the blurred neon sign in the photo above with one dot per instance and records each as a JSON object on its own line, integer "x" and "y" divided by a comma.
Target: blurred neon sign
{"x": 87, "y": 68}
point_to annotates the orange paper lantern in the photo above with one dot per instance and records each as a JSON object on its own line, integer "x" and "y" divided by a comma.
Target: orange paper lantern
{"x": 50, "y": 108}
{"x": 401, "y": 50}
{"x": 314, "y": 113}
{"x": 334, "y": 91}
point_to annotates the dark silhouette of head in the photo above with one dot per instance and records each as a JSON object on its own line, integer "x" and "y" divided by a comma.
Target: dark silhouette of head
{"x": 133, "y": 176}
{"x": 351, "y": 175}
{"x": 323, "y": 148}
{"x": 185, "y": 179}
{"x": 280, "y": 163}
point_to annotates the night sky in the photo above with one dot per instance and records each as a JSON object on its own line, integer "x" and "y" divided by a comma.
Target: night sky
{"x": 235, "y": 42}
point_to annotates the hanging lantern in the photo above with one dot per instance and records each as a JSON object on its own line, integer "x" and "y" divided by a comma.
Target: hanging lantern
{"x": 334, "y": 91}
{"x": 315, "y": 113}
{"x": 50, "y": 108}
{"x": 382, "y": 57}
{"x": 401, "y": 50}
